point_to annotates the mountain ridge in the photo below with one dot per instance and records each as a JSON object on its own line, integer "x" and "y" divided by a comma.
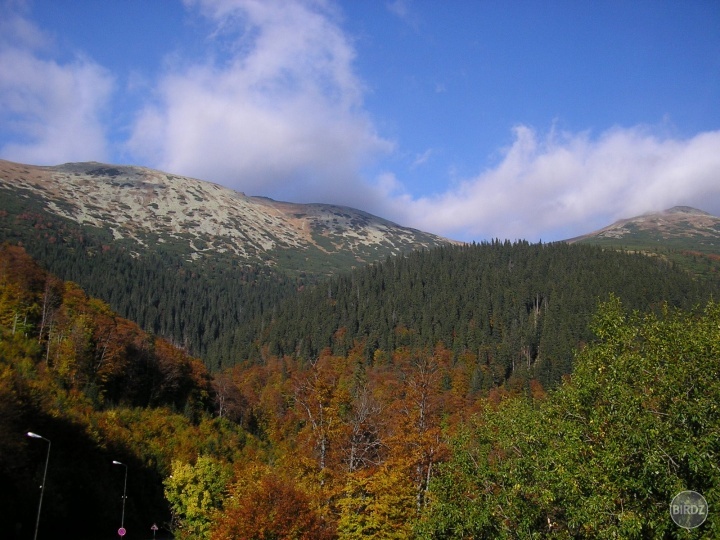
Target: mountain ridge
{"x": 203, "y": 218}
{"x": 674, "y": 222}
{"x": 186, "y": 259}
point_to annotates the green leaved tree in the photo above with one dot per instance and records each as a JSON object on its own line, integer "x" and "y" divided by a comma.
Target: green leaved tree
{"x": 196, "y": 493}
{"x": 604, "y": 455}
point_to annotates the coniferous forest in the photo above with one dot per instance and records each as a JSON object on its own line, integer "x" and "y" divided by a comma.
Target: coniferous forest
{"x": 500, "y": 390}
{"x": 514, "y": 309}
{"x": 518, "y": 308}
{"x": 194, "y": 305}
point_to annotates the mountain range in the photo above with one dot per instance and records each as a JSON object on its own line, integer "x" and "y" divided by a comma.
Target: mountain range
{"x": 146, "y": 209}
{"x": 316, "y": 366}
{"x": 218, "y": 272}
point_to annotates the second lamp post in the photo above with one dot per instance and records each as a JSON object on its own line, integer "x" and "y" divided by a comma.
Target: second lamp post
{"x": 122, "y": 518}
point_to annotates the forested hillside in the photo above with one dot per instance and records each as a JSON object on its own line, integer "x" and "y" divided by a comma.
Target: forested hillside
{"x": 195, "y": 305}
{"x": 510, "y": 310}
{"x": 338, "y": 447}
{"x": 100, "y": 389}
{"x": 513, "y": 310}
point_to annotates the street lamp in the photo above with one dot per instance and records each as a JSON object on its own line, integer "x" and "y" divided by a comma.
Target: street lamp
{"x": 42, "y": 487}
{"x": 122, "y": 519}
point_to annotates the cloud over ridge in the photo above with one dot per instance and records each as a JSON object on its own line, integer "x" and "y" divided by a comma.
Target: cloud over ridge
{"x": 281, "y": 114}
{"x": 547, "y": 185}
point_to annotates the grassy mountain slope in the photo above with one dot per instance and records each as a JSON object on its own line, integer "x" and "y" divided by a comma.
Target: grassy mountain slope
{"x": 684, "y": 235}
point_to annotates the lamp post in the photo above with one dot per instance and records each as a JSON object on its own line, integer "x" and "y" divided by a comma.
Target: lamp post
{"x": 122, "y": 519}
{"x": 42, "y": 487}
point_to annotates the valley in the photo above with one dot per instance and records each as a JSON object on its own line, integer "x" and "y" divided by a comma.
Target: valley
{"x": 318, "y": 372}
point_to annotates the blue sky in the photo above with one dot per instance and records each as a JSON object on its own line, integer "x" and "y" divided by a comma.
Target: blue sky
{"x": 470, "y": 119}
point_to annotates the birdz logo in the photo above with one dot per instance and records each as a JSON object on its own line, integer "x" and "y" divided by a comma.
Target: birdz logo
{"x": 688, "y": 509}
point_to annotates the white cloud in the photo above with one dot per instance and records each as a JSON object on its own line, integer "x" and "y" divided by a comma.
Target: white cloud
{"x": 555, "y": 186}
{"x": 50, "y": 111}
{"x": 280, "y": 116}
{"x": 275, "y": 108}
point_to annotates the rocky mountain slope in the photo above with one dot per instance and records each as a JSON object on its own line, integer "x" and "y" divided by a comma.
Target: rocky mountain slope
{"x": 185, "y": 259}
{"x": 194, "y": 218}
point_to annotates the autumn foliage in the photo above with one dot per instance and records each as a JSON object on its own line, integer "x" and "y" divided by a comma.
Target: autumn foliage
{"x": 342, "y": 445}
{"x": 265, "y": 506}
{"x": 97, "y": 386}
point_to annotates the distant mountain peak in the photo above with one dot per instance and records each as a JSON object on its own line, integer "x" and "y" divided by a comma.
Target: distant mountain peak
{"x": 685, "y": 210}
{"x": 681, "y": 228}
